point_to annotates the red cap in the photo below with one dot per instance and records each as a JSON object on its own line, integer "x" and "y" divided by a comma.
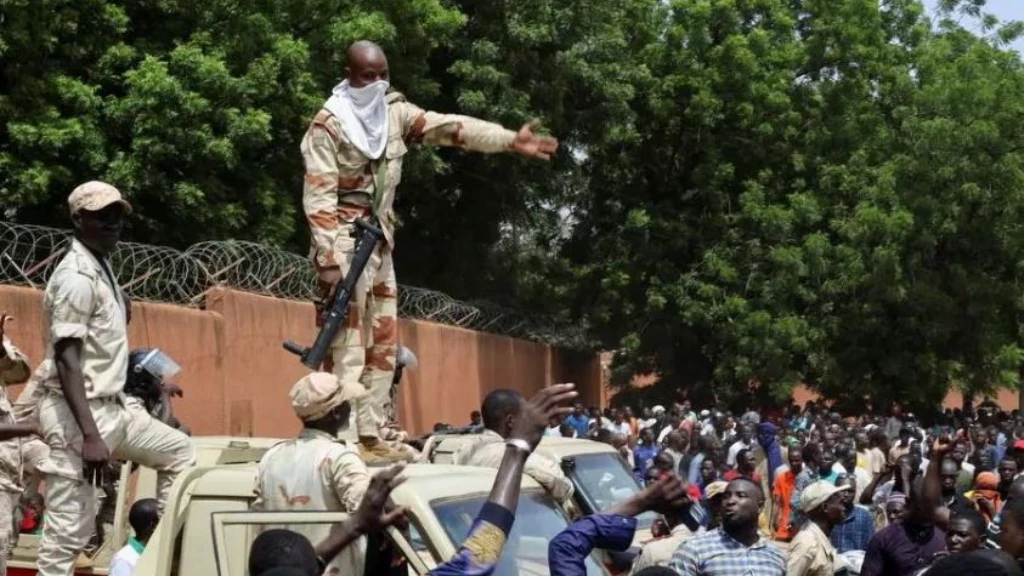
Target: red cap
{"x": 1018, "y": 445}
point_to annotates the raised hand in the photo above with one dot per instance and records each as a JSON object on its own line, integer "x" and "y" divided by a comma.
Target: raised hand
{"x": 551, "y": 402}
{"x": 371, "y": 516}
{"x": 941, "y": 446}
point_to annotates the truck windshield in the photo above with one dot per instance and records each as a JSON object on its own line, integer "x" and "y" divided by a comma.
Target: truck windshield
{"x": 604, "y": 482}
{"x": 526, "y": 552}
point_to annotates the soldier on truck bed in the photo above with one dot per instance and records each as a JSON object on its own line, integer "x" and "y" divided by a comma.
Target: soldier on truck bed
{"x": 317, "y": 471}
{"x": 353, "y": 153}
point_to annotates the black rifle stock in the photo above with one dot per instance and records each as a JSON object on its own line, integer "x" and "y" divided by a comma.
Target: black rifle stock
{"x": 367, "y": 237}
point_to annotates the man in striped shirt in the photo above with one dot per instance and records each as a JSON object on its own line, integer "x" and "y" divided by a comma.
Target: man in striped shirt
{"x": 735, "y": 549}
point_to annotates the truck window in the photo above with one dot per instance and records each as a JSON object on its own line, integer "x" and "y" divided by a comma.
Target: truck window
{"x": 604, "y": 481}
{"x": 538, "y": 520}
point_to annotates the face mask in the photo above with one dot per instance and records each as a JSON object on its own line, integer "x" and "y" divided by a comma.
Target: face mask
{"x": 368, "y": 95}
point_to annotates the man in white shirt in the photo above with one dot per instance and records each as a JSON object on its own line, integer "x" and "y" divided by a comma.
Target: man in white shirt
{"x": 620, "y": 426}
{"x": 143, "y": 517}
{"x": 744, "y": 443}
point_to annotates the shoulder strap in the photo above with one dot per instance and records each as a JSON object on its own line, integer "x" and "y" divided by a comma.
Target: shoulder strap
{"x": 379, "y": 180}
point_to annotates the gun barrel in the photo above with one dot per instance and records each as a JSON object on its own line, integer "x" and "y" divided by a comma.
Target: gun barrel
{"x": 294, "y": 348}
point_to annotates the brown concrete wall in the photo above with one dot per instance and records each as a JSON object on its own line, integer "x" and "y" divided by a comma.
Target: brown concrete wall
{"x": 236, "y": 376}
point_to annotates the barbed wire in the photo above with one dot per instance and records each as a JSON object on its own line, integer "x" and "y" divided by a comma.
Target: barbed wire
{"x": 29, "y": 254}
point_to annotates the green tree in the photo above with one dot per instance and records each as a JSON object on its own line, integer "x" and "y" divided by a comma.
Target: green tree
{"x": 194, "y": 110}
{"x": 475, "y": 225}
{"x": 828, "y": 194}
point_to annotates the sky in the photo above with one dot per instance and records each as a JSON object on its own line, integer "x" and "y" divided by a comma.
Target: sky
{"x": 1004, "y": 9}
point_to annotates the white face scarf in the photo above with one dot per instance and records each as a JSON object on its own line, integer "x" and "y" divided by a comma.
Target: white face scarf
{"x": 363, "y": 113}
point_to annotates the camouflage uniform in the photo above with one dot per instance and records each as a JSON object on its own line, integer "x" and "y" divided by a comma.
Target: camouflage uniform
{"x": 340, "y": 186}
{"x": 14, "y": 369}
{"x": 26, "y": 410}
{"x": 316, "y": 471}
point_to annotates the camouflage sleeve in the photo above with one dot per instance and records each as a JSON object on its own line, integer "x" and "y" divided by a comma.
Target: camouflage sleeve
{"x": 479, "y": 554}
{"x": 14, "y": 368}
{"x": 464, "y": 132}
{"x": 349, "y": 478}
{"x": 320, "y": 187}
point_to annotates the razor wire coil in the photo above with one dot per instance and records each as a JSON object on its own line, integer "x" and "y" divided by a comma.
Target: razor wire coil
{"x": 29, "y": 255}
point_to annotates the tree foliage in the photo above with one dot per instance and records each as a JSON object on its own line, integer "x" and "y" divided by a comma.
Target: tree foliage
{"x": 750, "y": 191}
{"x": 830, "y": 194}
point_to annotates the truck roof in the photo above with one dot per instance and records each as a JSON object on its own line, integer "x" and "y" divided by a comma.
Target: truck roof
{"x": 425, "y": 482}
{"x": 562, "y": 447}
{"x": 431, "y": 481}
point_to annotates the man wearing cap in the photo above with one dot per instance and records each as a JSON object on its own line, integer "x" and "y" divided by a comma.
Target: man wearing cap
{"x": 857, "y": 527}
{"x": 82, "y": 414}
{"x": 811, "y": 553}
{"x": 713, "y": 502}
{"x": 14, "y": 368}
{"x": 316, "y": 471}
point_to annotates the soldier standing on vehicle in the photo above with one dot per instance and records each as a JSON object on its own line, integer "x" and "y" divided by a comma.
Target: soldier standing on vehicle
{"x": 82, "y": 414}
{"x": 353, "y": 153}
{"x": 501, "y": 409}
{"x": 317, "y": 471}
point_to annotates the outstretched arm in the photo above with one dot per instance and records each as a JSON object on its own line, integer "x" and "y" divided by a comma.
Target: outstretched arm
{"x": 473, "y": 134}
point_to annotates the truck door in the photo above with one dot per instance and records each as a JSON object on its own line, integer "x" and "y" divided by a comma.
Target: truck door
{"x": 233, "y": 533}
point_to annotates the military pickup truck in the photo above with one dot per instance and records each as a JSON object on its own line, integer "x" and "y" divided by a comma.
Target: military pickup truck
{"x": 207, "y": 526}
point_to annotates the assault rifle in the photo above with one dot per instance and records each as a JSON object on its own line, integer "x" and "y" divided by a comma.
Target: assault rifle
{"x": 367, "y": 237}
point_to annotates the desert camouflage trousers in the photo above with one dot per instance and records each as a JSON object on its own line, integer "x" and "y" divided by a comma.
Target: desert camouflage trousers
{"x": 365, "y": 348}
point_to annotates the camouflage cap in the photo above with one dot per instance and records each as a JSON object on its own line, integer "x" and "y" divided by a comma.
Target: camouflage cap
{"x": 317, "y": 393}
{"x": 96, "y": 195}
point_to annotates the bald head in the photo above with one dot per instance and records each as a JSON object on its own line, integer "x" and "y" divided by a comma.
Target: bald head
{"x": 365, "y": 63}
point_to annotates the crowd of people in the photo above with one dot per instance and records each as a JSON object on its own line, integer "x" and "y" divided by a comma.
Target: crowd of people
{"x": 805, "y": 492}
{"x": 869, "y": 494}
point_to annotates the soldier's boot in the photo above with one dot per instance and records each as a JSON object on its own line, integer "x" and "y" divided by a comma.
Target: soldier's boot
{"x": 374, "y": 451}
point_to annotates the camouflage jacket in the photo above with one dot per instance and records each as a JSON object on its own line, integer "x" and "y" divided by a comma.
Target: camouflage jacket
{"x": 340, "y": 182}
